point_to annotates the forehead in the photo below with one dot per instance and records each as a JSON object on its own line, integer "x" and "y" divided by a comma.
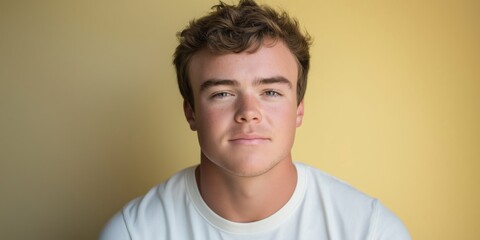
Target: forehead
{"x": 268, "y": 61}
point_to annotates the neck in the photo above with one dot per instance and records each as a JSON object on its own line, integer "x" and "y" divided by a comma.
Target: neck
{"x": 246, "y": 199}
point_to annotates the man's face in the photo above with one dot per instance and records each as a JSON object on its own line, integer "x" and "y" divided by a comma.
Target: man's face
{"x": 246, "y": 110}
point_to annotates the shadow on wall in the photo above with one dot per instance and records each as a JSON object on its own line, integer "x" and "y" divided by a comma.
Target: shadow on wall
{"x": 90, "y": 114}
{"x": 71, "y": 162}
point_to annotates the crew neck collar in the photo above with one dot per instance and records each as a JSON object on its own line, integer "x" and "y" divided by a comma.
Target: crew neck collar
{"x": 263, "y": 225}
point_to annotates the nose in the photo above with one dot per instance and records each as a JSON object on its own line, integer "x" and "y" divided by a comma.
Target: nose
{"x": 248, "y": 110}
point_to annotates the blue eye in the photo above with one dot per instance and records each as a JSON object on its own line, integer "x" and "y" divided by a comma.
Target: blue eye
{"x": 221, "y": 95}
{"x": 272, "y": 93}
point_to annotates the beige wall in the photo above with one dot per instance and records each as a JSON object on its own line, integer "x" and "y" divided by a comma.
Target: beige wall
{"x": 90, "y": 116}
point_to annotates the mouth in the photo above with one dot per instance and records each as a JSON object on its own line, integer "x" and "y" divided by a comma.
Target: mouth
{"x": 249, "y": 139}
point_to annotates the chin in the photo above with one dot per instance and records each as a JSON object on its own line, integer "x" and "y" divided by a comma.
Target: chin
{"x": 250, "y": 168}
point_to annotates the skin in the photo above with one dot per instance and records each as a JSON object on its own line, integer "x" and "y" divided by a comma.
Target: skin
{"x": 246, "y": 114}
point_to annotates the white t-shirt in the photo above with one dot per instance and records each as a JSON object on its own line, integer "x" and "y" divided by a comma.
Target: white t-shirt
{"x": 322, "y": 207}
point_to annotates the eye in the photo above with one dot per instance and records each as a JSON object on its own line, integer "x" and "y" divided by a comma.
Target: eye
{"x": 272, "y": 93}
{"x": 221, "y": 95}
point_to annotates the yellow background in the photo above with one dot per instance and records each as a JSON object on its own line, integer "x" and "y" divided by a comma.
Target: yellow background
{"x": 90, "y": 116}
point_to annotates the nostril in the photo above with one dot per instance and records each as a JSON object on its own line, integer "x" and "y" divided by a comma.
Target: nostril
{"x": 247, "y": 116}
{"x": 247, "y": 110}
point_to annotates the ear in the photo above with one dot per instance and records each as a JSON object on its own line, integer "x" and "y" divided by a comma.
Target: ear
{"x": 300, "y": 112}
{"x": 189, "y": 115}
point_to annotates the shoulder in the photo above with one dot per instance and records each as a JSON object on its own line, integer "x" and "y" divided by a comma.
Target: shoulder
{"x": 152, "y": 209}
{"x": 157, "y": 198}
{"x": 386, "y": 225}
{"x": 115, "y": 229}
{"x": 348, "y": 207}
{"x": 333, "y": 189}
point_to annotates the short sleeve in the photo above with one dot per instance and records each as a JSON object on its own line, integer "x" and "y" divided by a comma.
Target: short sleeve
{"x": 386, "y": 225}
{"x": 115, "y": 229}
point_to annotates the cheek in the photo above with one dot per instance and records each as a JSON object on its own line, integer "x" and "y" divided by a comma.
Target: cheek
{"x": 282, "y": 115}
{"x": 213, "y": 118}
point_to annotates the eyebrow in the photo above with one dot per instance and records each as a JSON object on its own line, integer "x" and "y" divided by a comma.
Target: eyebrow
{"x": 273, "y": 80}
{"x": 217, "y": 82}
{"x": 226, "y": 82}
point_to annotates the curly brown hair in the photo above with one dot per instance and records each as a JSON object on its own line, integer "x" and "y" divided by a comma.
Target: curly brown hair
{"x": 234, "y": 29}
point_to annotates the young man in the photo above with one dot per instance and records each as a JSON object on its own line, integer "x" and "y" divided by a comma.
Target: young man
{"x": 242, "y": 72}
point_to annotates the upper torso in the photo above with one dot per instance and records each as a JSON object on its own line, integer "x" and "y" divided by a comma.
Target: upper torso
{"x": 322, "y": 207}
